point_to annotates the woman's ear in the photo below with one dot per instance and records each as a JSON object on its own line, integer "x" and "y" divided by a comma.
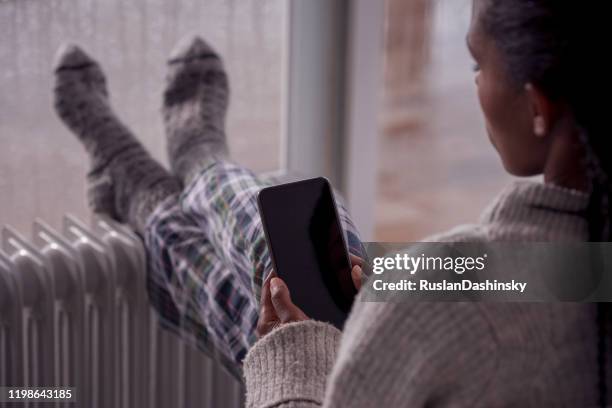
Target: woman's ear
{"x": 542, "y": 110}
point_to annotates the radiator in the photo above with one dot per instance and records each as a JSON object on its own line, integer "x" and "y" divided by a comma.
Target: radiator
{"x": 74, "y": 312}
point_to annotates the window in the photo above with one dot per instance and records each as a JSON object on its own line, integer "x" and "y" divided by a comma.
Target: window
{"x": 43, "y": 167}
{"x": 437, "y": 168}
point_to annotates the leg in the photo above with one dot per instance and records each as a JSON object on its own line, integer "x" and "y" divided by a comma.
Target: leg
{"x": 220, "y": 196}
{"x": 125, "y": 182}
{"x": 194, "y": 108}
{"x": 193, "y": 291}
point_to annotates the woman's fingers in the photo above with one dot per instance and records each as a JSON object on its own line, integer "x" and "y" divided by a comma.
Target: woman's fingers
{"x": 276, "y": 306}
{"x": 267, "y": 315}
{"x": 355, "y": 260}
{"x": 266, "y": 300}
{"x": 283, "y": 306}
{"x": 356, "y": 274}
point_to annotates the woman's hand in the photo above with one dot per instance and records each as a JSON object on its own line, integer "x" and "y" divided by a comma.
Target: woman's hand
{"x": 276, "y": 306}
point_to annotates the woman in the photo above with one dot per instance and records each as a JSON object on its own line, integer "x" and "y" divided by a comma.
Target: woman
{"x": 535, "y": 76}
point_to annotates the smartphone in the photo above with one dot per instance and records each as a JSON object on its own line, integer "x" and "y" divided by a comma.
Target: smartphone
{"x": 308, "y": 248}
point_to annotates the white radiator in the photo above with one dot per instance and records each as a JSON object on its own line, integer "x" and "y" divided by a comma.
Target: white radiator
{"x": 74, "y": 312}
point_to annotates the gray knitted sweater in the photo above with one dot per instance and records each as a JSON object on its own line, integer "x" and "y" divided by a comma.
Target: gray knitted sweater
{"x": 446, "y": 354}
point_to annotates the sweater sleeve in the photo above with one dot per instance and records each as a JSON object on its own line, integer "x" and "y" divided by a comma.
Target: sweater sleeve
{"x": 289, "y": 366}
{"x": 391, "y": 354}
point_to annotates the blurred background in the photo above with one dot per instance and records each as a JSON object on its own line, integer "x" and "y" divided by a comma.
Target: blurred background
{"x": 435, "y": 167}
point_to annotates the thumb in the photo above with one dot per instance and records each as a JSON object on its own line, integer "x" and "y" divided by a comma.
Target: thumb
{"x": 281, "y": 299}
{"x": 356, "y": 274}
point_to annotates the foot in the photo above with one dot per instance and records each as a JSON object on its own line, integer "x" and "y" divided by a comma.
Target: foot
{"x": 124, "y": 181}
{"x": 194, "y": 109}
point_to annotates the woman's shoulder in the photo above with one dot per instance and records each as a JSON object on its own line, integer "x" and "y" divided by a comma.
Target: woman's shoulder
{"x": 489, "y": 348}
{"x": 526, "y": 210}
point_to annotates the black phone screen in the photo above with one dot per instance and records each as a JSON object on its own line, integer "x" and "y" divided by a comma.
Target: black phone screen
{"x": 308, "y": 249}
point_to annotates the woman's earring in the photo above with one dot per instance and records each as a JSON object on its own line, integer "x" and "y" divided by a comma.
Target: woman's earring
{"x": 539, "y": 127}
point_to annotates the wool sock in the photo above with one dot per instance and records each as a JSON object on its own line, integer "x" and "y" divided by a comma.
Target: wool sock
{"x": 125, "y": 182}
{"x": 194, "y": 108}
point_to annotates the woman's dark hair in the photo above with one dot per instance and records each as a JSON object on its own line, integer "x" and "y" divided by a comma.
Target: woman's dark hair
{"x": 560, "y": 46}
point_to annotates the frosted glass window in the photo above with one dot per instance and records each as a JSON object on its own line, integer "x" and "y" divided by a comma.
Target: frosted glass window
{"x": 42, "y": 166}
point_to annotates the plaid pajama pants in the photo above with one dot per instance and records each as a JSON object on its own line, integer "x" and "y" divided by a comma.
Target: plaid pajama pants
{"x": 207, "y": 259}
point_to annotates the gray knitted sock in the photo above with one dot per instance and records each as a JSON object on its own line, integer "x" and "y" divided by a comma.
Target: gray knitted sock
{"x": 195, "y": 104}
{"x": 124, "y": 181}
